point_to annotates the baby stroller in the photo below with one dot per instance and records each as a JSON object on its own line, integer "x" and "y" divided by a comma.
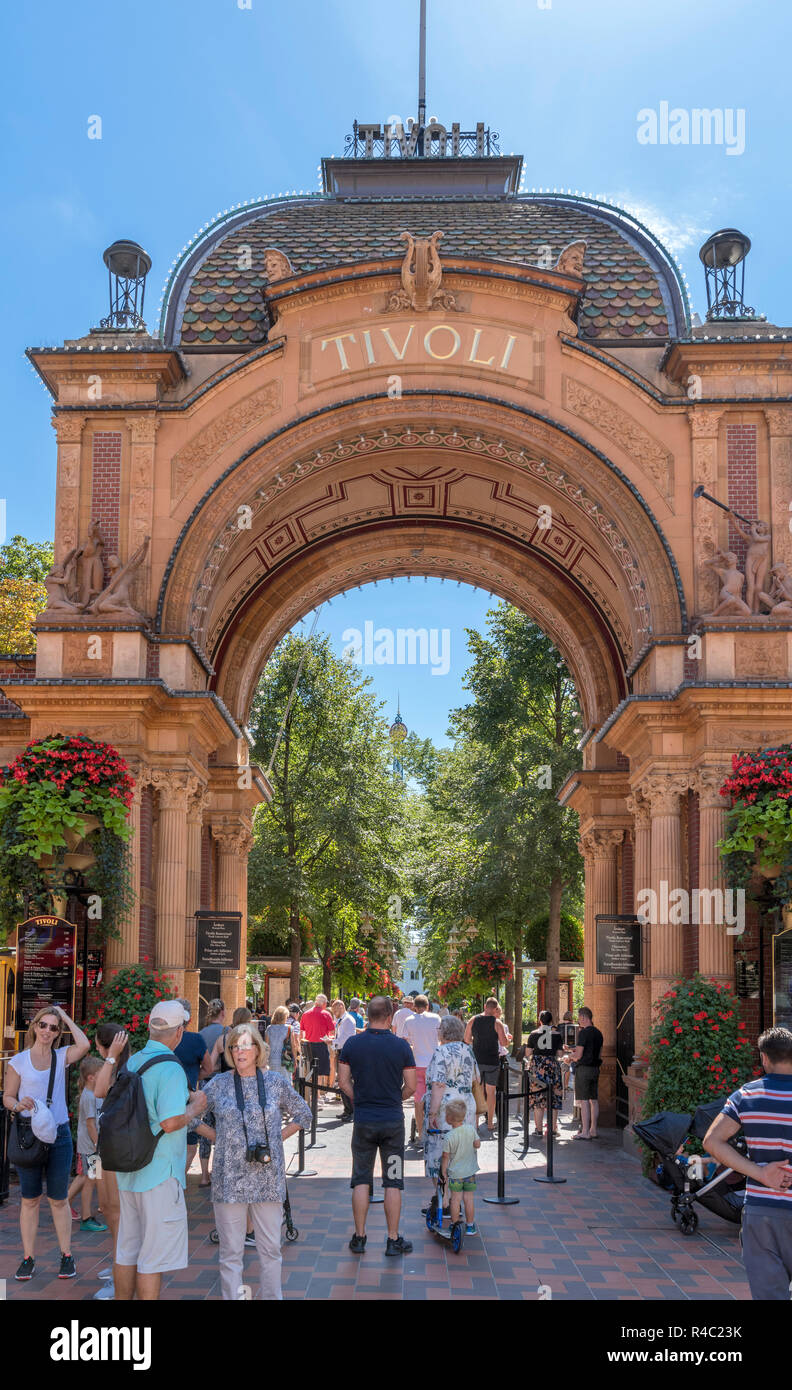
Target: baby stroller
{"x": 722, "y": 1192}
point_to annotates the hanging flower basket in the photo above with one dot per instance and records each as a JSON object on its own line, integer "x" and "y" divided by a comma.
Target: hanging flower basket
{"x": 355, "y": 971}
{"x": 64, "y": 806}
{"x": 758, "y": 840}
{"x": 485, "y": 970}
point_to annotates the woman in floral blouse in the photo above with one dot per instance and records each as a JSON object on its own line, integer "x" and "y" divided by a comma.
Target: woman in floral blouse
{"x": 449, "y": 1076}
{"x": 241, "y": 1182}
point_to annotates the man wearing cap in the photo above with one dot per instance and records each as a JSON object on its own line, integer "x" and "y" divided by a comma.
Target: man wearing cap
{"x": 152, "y": 1230}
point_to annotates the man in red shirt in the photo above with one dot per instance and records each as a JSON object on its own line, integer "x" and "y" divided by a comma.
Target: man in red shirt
{"x": 317, "y": 1025}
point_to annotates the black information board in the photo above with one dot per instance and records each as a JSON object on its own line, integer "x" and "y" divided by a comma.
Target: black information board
{"x": 782, "y": 980}
{"x": 45, "y": 966}
{"x": 618, "y": 944}
{"x": 217, "y": 940}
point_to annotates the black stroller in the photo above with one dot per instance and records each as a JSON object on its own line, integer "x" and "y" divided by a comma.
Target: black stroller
{"x": 665, "y": 1134}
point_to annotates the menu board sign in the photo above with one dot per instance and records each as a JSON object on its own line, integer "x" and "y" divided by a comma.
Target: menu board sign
{"x": 618, "y": 944}
{"x": 217, "y": 940}
{"x": 45, "y": 966}
{"x": 782, "y": 980}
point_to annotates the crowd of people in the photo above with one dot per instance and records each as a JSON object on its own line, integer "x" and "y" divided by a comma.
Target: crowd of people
{"x": 228, "y": 1093}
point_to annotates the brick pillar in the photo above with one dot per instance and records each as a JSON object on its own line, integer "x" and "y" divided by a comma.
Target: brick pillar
{"x": 741, "y": 474}
{"x": 663, "y": 794}
{"x": 716, "y": 947}
{"x": 175, "y": 789}
{"x": 125, "y": 950}
{"x": 642, "y": 874}
{"x": 599, "y": 849}
{"x": 106, "y": 489}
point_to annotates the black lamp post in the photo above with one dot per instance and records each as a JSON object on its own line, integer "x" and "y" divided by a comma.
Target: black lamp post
{"x": 127, "y": 267}
{"x": 723, "y": 256}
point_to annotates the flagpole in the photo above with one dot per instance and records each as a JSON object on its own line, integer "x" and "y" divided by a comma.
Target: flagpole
{"x": 422, "y": 73}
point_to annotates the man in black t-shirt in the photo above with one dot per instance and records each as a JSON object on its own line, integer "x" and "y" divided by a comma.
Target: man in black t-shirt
{"x": 376, "y": 1070}
{"x": 587, "y": 1056}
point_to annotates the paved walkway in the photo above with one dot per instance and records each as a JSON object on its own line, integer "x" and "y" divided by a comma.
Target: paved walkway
{"x": 604, "y": 1234}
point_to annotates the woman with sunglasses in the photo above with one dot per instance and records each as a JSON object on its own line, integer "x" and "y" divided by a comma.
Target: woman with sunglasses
{"x": 27, "y": 1082}
{"x": 249, "y": 1171}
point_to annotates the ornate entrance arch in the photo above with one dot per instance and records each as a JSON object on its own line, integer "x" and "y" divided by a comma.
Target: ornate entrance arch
{"x": 508, "y": 404}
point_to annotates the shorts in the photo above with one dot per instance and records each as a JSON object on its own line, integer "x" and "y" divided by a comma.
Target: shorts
{"x": 586, "y": 1082}
{"x": 369, "y": 1140}
{"x": 420, "y": 1084}
{"x": 462, "y": 1184}
{"x": 152, "y": 1228}
{"x": 192, "y": 1137}
{"x": 56, "y": 1170}
{"x": 489, "y": 1075}
{"x": 321, "y": 1057}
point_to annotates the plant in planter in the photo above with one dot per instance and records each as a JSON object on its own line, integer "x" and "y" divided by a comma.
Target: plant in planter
{"x": 758, "y": 838}
{"x": 64, "y": 805}
{"x": 698, "y": 1049}
{"x": 128, "y": 998}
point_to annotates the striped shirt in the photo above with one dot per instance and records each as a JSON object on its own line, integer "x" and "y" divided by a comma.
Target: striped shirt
{"x": 764, "y": 1109}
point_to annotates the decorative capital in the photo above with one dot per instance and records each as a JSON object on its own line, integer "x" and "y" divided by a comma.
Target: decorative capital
{"x": 232, "y": 837}
{"x": 638, "y": 808}
{"x": 600, "y": 844}
{"x": 198, "y": 803}
{"x": 704, "y": 423}
{"x": 68, "y": 428}
{"x": 707, "y": 781}
{"x": 175, "y": 788}
{"x": 779, "y": 419}
{"x": 662, "y": 791}
{"x": 143, "y": 428}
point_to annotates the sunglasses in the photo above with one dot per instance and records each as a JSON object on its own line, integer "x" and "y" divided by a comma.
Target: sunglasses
{"x": 49, "y": 1027}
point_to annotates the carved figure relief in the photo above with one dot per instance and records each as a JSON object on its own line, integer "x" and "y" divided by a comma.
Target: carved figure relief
{"x": 570, "y": 261}
{"x": 90, "y": 566}
{"x": 115, "y": 599}
{"x": 421, "y": 276}
{"x": 731, "y": 603}
{"x": 757, "y": 558}
{"x": 277, "y": 265}
{"x": 779, "y": 597}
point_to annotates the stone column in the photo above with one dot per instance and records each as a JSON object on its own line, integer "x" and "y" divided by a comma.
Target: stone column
{"x": 195, "y": 811}
{"x": 69, "y": 429}
{"x": 663, "y": 793}
{"x": 233, "y": 842}
{"x": 707, "y": 520}
{"x": 716, "y": 947}
{"x": 599, "y": 849}
{"x": 125, "y": 950}
{"x": 642, "y": 879}
{"x": 175, "y": 790}
{"x": 143, "y": 433}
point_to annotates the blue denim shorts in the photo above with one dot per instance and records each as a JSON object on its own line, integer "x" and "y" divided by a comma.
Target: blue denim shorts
{"x": 57, "y": 1169}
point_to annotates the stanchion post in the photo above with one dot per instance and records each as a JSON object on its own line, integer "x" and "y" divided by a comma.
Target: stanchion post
{"x": 502, "y": 1101}
{"x": 526, "y": 1126}
{"x": 548, "y": 1175}
{"x": 302, "y": 1171}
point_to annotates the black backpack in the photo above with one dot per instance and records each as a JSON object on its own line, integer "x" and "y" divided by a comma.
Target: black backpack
{"x": 126, "y": 1143}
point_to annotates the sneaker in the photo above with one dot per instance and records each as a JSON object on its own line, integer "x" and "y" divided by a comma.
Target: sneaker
{"x": 250, "y": 1239}
{"x": 399, "y": 1246}
{"x": 106, "y": 1292}
{"x": 357, "y": 1244}
{"x": 27, "y": 1269}
{"x": 471, "y": 1230}
{"x": 75, "y": 1214}
{"x": 67, "y": 1268}
{"x": 106, "y": 1273}
{"x": 91, "y": 1224}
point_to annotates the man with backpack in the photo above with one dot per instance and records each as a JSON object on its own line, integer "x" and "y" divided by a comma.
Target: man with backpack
{"x": 148, "y": 1151}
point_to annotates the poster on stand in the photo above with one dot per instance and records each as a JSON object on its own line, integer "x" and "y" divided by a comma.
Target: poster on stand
{"x": 45, "y": 966}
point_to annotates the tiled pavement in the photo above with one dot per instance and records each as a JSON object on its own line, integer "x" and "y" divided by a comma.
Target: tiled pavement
{"x": 604, "y": 1234}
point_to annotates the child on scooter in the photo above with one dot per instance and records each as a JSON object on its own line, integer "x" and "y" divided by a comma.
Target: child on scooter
{"x": 459, "y": 1164}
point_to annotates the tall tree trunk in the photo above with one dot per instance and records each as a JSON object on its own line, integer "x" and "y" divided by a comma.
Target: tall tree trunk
{"x": 326, "y": 976}
{"x": 517, "y": 1017}
{"x": 554, "y": 946}
{"x": 296, "y": 950}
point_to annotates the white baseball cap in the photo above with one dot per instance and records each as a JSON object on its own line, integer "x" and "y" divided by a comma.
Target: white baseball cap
{"x": 168, "y": 1014}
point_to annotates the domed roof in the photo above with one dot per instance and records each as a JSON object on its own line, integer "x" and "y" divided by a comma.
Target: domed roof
{"x": 214, "y": 297}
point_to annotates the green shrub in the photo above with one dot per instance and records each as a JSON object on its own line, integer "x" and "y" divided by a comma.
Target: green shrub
{"x": 571, "y": 937}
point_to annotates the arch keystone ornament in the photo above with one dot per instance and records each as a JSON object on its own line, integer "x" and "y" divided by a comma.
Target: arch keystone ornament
{"x": 338, "y": 393}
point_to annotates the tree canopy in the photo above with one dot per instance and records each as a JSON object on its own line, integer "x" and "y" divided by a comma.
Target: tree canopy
{"x": 23, "y": 567}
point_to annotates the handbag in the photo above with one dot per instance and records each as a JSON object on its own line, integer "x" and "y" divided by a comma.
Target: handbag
{"x": 25, "y": 1149}
{"x": 480, "y": 1096}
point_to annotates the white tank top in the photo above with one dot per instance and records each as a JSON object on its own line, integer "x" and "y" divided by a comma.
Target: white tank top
{"x": 34, "y": 1083}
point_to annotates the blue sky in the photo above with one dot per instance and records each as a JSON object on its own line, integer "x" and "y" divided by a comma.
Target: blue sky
{"x": 205, "y": 104}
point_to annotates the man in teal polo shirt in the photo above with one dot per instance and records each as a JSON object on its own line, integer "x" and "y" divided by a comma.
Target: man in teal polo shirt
{"x": 152, "y": 1228}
